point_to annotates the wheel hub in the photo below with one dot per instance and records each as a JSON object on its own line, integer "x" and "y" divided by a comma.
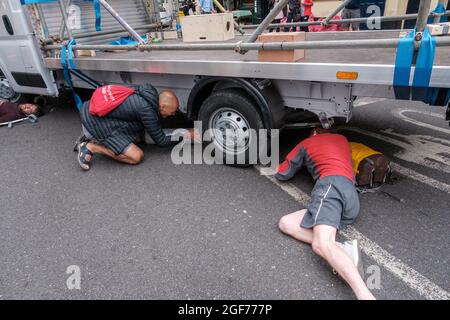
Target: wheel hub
{"x": 231, "y": 132}
{"x": 6, "y": 92}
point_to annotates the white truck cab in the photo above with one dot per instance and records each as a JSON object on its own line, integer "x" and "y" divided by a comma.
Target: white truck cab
{"x": 21, "y": 62}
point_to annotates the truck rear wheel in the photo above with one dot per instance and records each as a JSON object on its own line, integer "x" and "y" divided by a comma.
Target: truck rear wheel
{"x": 232, "y": 114}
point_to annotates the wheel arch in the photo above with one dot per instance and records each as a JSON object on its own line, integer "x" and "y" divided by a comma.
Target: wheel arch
{"x": 263, "y": 93}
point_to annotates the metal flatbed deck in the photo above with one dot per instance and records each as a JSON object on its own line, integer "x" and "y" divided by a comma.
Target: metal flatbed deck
{"x": 375, "y": 66}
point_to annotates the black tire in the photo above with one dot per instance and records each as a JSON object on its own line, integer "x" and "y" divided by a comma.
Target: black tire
{"x": 238, "y": 102}
{"x": 6, "y": 93}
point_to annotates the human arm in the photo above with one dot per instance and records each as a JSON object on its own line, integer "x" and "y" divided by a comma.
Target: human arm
{"x": 8, "y": 112}
{"x": 193, "y": 135}
{"x": 293, "y": 163}
{"x": 150, "y": 119}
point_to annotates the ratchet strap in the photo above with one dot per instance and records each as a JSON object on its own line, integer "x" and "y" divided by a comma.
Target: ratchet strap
{"x": 98, "y": 17}
{"x": 403, "y": 63}
{"x": 67, "y": 56}
{"x": 70, "y": 69}
{"x": 424, "y": 68}
{"x": 66, "y": 71}
{"x": 420, "y": 89}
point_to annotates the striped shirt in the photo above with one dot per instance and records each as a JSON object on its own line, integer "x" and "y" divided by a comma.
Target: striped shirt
{"x": 123, "y": 125}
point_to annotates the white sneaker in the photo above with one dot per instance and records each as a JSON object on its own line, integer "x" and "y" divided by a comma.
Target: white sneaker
{"x": 352, "y": 249}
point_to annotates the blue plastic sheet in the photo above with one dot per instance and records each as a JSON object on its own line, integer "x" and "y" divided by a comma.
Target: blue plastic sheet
{"x": 126, "y": 40}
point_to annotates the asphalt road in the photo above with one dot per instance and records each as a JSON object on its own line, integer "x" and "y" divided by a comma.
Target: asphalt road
{"x": 161, "y": 231}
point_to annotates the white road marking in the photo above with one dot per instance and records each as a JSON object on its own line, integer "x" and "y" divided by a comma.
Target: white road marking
{"x": 412, "y": 278}
{"x": 289, "y": 188}
{"x": 424, "y": 150}
{"x": 360, "y": 102}
{"x": 409, "y": 173}
{"x": 400, "y": 112}
{"x": 405, "y": 273}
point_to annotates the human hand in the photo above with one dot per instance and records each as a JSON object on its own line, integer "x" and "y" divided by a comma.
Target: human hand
{"x": 193, "y": 135}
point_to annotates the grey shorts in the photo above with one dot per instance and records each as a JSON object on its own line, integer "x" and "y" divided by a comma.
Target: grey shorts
{"x": 86, "y": 133}
{"x": 334, "y": 202}
{"x": 351, "y": 14}
{"x": 89, "y": 136}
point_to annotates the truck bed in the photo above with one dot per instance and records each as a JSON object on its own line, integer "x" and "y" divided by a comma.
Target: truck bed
{"x": 375, "y": 66}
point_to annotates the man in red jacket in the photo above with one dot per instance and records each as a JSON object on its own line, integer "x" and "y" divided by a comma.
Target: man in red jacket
{"x": 334, "y": 203}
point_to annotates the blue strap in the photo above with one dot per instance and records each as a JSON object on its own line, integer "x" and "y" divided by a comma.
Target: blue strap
{"x": 25, "y": 2}
{"x": 98, "y": 17}
{"x": 70, "y": 53}
{"x": 403, "y": 62}
{"x": 66, "y": 72}
{"x": 424, "y": 68}
{"x": 439, "y": 9}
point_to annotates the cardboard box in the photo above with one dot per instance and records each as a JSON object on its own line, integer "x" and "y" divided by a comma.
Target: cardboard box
{"x": 170, "y": 35}
{"x": 208, "y": 27}
{"x": 281, "y": 55}
{"x": 439, "y": 29}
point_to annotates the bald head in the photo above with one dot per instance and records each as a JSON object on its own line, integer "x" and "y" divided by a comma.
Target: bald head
{"x": 168, "y": 103}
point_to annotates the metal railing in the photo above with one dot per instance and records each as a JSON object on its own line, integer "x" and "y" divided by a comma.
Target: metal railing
{"x": 412, "y": 16}
{"x": 65, "y": 27}
{"x": 242, "y": 47}
{"x": 239, "y": 46}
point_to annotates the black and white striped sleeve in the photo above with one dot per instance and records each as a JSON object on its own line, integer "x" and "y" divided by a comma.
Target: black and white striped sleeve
{"x": 152, "y": 126}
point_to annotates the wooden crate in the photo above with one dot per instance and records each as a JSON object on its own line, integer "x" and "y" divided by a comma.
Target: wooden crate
{"x": 281, "y": 55}
{"x": 208, "y": 27}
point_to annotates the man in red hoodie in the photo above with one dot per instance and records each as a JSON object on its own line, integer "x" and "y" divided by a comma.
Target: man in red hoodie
{"x": 334, "y": 203}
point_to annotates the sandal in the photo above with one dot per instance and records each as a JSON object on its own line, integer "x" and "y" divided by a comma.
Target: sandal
{"x": 83, "y": 152}
{"x": 82, "y": 138}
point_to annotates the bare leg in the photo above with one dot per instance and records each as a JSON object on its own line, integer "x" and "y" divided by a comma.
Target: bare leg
{"x": 133, "y": 155}
{"x": 290, "y": 225}
{"x": 324, "y": 245}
